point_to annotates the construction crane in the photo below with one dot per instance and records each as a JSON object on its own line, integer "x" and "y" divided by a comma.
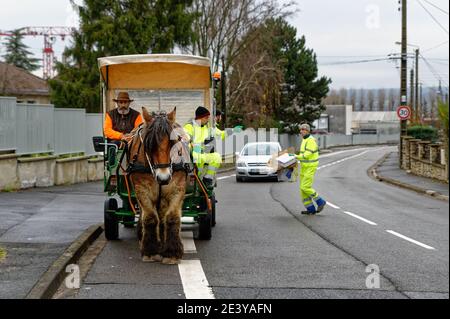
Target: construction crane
{"x": 50, "y": 35}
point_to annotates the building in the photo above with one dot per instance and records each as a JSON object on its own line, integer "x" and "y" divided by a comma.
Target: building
{"x": 23, "y": 85}
{"x": 341, "y": 119}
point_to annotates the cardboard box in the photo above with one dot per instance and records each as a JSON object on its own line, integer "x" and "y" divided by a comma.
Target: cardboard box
{"x": 283, "y": 161}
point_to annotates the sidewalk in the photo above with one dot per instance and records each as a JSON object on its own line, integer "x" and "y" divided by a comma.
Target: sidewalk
{"x": 388, "y": 170}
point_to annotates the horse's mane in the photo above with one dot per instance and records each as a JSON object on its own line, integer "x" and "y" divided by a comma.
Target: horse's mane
{"x": 156, "y": 131}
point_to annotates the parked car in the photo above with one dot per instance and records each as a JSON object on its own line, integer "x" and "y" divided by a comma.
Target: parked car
{"x": 253, "y": 161}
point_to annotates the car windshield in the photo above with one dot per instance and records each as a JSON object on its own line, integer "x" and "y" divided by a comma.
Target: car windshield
{"x": 260, "y": 149}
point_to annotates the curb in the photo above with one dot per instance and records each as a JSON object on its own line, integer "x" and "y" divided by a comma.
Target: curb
{"x": 50, "y": 281}
{"x": 372, "y": 172}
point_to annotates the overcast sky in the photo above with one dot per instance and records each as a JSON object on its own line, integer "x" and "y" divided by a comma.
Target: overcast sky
{"x": 338, "y": 31}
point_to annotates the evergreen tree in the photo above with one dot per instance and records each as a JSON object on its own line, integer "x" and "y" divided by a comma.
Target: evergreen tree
{"x": 17, "y": 53}
{"x": 304, "y": 91}
{"x": 116, "y": 27}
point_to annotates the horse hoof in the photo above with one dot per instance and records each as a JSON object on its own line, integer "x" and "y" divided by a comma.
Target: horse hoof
{"x": 152, "y": 259}
{"x": 170, "y": 261}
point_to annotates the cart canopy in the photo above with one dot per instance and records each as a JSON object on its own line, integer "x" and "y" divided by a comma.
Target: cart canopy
{"x": 155, "y": 72}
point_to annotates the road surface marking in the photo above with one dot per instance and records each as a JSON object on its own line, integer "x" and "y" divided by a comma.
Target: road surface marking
{"x": 410, "y": 240}
{"x": 225, "y": 177}
{"x": 343, "y": 160}
{"x": 360, "y": 218}
{"x": 195, "y": 284}
{"x": 187, "y": 237}
{"x": 334, "y": 206}
{"x": 341, "y": 152}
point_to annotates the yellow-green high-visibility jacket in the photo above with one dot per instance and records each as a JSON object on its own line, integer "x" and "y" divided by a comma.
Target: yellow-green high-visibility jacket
{"x": 199, "y": 134}
{"x": 309, "y": 152}
{"x": 219, "y": 133}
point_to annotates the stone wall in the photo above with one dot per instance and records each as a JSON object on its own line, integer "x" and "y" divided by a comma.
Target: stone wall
{"x": 21, "y": 173}
{"x": 424, "y": 158}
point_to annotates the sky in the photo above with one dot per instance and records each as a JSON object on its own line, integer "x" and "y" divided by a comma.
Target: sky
{"x": 338, "y": 31}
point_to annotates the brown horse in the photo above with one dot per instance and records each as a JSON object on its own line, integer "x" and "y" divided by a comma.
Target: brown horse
{"x": 159, "y": 188}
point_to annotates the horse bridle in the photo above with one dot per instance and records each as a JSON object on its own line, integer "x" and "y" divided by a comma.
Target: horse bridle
{"x": 152, "y": 166}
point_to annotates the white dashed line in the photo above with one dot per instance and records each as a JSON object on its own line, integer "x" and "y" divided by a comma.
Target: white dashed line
{"x": 410, "y": 240}
{"x": 195, "y": 284}
{"x": 187, "y": 239}
{"x": 332, "y": 205}
{"x": 360, "y": 218}
{"x": 225, "y": 177}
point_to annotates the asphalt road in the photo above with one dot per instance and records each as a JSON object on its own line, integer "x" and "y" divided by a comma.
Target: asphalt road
{"x": 263, "y": 248}
{"x": 36, "y": 227}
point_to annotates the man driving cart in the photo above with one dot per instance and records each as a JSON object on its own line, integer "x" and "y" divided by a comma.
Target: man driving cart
{"x": 122, "y": 120}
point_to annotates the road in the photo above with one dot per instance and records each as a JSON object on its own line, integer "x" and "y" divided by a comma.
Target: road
{"x": 262, "y": 247}
{"x": 36, "y": 227}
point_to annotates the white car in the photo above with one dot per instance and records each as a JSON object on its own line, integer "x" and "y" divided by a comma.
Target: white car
{"x": 252, "y": 161}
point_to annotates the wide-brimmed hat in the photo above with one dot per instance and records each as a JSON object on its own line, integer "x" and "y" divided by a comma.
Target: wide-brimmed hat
{"x": 123, "y": 96}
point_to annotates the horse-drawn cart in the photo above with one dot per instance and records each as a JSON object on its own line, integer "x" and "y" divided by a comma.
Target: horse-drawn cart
{"x": 159, "y": 83}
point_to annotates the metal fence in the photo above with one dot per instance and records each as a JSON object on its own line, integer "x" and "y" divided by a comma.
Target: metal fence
{"x": 33, "y": 128}
{"x": 385, "y": 135}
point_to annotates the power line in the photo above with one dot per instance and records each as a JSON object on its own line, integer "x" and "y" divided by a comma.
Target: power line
{"x": 432, "y": 16}
{"x": 355, "y": 62}
{"x": 437, "y": 46}
{"x": 431, "y": 68}
{"x": 432, "y": 4}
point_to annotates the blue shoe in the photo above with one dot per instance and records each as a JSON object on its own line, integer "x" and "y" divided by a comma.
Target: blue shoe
{"x": 320, "y": 204}
{"x": 310, "y": 210}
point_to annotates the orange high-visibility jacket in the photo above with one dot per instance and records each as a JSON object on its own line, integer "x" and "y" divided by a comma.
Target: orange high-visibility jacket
{"x": 117, "y": 125}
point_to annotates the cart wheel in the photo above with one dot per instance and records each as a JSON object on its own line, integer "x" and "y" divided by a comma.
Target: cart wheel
{"x": 213, "y": 212}
{"x": 204, "y": 227}
{"x": 111, "y": 221}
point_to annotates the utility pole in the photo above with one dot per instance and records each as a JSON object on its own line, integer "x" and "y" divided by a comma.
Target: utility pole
{"x": 224, "y": 94}
{"x": 417, "y": 106}
{"x": 403, "y": 73}
{"x": 421, "y": 98}
{"x": 412, "y": 97}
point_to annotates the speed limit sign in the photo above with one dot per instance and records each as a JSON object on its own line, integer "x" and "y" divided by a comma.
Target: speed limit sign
{"x": 404, "y": 112}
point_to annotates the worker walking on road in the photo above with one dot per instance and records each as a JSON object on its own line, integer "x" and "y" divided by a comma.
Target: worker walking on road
{"x": 309, "y": 159}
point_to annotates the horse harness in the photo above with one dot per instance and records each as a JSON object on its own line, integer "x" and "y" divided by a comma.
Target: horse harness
{"x": 135, "y": 167}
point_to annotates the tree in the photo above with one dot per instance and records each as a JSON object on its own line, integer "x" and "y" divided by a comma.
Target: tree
{"x": 352, "y": 98}
{"x": 301, "y": 102}
{"x": 392, "y": 99}
{"x": 362, "y": 100}
{"x": 222, "y": 25}
{"x": 370, "y": 100}
{"x": 343, "y": 96}
{"x": 275, "y": 78}
{"x": 381, "y": 99}
{"x": 116, "y": 27}
{"x": 17, "y": 53}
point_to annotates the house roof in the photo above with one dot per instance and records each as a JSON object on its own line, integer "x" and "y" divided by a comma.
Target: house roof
{"x": 17, "y": 81}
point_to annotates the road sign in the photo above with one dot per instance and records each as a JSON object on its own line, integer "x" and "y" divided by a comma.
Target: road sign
{"x": 404, "y": 112}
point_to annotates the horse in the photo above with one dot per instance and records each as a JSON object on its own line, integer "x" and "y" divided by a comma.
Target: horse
{"x": 159, "y": 187}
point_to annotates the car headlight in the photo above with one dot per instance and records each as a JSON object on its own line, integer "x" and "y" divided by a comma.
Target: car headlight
{"x": 241, "y": 164}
